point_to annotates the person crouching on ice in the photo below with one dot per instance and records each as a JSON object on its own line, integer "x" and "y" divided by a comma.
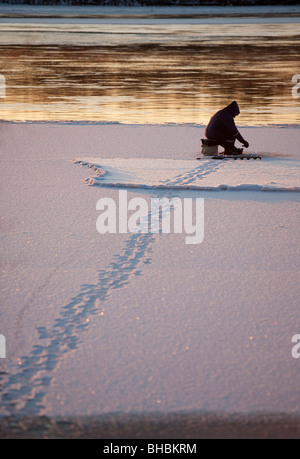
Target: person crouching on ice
{"x": 222, "y": 129}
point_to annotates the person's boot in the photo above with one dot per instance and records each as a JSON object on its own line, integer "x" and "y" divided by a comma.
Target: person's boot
{"x": 227, "y": 151}
{"x": 236, "y": 151}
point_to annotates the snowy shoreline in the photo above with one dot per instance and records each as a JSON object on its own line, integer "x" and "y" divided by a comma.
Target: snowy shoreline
{"x": 119, "y": 123}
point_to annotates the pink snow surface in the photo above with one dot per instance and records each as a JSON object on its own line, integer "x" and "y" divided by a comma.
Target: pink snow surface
{"x": 102, "y": 323}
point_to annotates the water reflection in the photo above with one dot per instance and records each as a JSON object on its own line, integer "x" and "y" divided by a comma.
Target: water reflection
{"x": 151, "y": 83}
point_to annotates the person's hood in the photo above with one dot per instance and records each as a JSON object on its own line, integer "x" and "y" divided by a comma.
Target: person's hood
{"x": 233, "y": 108}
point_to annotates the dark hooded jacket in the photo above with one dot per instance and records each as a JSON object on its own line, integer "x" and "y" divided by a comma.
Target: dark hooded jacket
{"x": 222, "y": 124}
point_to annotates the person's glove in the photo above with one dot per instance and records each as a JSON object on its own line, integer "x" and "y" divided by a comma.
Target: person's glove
{"x": 246, "y": 144}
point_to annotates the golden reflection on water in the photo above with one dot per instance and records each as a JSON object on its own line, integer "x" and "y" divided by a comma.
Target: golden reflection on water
{"x": 150, "y": 83}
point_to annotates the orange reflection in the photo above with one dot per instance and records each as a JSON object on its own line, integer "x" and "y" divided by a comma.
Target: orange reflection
{"x": 150, "y": 83}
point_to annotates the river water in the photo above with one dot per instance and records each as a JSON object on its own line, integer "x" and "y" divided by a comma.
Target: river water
{"x": 149, "y": 67}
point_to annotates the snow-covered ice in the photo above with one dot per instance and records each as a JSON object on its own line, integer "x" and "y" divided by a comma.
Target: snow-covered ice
{"x": 143, "y": 323}
{"x": 207, "y": 174}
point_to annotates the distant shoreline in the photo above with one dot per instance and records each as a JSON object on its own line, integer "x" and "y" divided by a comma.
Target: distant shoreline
{"x": 149, "y": 16}
{"x": 152, "y": 3}
{"x": 144, "y": 10}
